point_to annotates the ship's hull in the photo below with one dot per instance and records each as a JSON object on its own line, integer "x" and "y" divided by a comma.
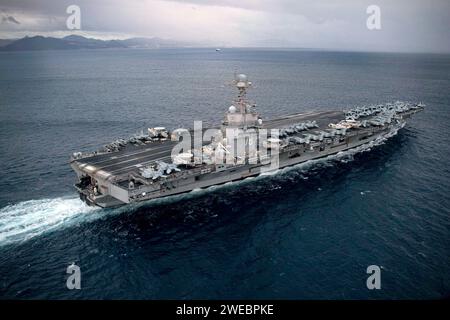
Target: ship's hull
{"x": 245, "y": 171}
{"x": 107, "y": 168}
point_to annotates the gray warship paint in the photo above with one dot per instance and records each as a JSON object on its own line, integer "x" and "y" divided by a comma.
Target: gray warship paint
{"x": 109, "y": 179}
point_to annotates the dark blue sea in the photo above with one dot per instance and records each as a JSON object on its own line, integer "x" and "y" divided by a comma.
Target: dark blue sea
{"x": 305, "y": 233}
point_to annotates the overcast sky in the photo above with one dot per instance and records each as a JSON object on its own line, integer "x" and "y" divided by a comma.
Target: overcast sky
{"x": 406, "y": 25}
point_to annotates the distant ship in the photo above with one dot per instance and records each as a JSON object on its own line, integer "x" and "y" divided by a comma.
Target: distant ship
{"x": 146, "y": 167}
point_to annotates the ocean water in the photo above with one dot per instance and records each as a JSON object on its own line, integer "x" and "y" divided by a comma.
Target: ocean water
{"x": 309, "y": 232}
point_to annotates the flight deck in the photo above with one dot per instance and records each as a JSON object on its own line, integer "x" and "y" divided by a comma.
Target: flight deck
{"x": 132, "y": 158}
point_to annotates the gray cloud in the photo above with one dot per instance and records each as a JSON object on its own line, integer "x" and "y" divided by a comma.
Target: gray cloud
{"x": 407, "y": 25}
{"x": 9, "y": 19}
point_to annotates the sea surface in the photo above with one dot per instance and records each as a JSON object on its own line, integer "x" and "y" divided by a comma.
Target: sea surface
{"x": 305, "y": 233}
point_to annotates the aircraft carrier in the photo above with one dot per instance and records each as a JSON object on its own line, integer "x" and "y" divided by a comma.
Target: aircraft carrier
{"x": 161, "y": 163}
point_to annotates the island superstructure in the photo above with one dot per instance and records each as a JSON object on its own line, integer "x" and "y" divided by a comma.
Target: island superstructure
{"x": 161, "y": 163}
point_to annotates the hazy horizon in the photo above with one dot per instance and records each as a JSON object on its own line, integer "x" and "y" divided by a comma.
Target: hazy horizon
{"x": 405, "y": 26}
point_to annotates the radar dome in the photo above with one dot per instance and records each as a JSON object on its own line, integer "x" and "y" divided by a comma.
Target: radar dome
{"x": 232, "y": 109}
{"x": 242, "y": 77}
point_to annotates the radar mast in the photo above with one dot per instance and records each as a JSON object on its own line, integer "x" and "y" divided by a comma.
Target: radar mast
{"x": 243, "y": 114}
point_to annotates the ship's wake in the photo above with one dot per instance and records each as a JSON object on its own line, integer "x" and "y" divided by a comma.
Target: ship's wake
{"x": 28, "y": 219}
{"x": 25, "y": 220}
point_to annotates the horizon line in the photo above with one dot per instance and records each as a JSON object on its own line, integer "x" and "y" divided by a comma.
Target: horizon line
{"x": 206, "y": 46}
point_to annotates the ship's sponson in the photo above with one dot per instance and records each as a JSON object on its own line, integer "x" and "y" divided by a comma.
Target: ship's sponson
{"x": 115, "y": 178}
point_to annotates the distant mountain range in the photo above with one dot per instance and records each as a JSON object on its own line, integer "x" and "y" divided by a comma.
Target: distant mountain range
{"x": 79, "y": 42}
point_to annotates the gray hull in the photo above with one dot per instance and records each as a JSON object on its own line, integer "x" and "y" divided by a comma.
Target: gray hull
{"x": 113, "y": 171}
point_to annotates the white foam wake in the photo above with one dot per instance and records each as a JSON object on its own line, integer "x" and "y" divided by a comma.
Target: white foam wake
{"x": 22, "y": 221}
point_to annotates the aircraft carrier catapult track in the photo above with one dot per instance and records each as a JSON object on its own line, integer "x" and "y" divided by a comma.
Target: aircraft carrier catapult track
{"x": 143, "y": 166}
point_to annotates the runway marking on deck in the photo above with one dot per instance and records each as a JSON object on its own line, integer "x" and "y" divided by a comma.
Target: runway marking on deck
{"x": 300, "y": 117}
{"x": 133, "y": 159}
{"x": 140, "y": 165}
{"x": 126, "y": 155}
